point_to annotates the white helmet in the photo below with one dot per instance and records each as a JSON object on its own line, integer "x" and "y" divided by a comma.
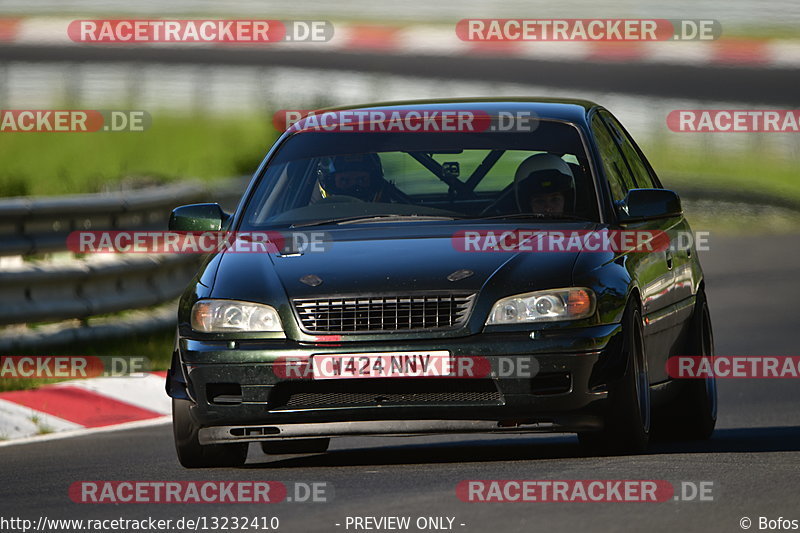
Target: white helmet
{"x": 542, "y": 173}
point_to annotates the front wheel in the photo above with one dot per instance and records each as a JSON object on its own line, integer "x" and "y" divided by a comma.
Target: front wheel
{"x": 692, "y": 414}
{"x": 191, "y": 453}
{"x": 626, "y": 428}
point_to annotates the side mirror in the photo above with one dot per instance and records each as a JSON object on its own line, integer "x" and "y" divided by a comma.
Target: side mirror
{"x": 197, "y": 217}
{"x": 647, "y": 204}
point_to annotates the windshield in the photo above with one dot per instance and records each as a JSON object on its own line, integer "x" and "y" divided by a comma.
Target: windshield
{"x": 345, "y": 177}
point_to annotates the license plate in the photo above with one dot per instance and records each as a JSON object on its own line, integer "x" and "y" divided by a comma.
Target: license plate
{"x": 382, "y": 365}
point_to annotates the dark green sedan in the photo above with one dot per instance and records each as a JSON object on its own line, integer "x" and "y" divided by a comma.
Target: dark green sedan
{"x": 449, "y": 266}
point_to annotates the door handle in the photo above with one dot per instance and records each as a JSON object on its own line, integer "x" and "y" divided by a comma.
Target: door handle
{"x": 668, "y": 256}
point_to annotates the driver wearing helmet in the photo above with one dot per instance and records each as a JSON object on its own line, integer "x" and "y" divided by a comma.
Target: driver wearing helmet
{"x": 545, "y": 184}
{"x": 357, "y": 176}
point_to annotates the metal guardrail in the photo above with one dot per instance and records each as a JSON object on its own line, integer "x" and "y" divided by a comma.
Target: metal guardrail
{"x": 97, "y": 329}
{"x": 77, "y": 289}
{"x": 39, "y": 225}
{"x": 42, "y": 291}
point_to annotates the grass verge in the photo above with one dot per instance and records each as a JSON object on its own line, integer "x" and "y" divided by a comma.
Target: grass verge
{"x": 754, "y": 169}
{"x": 174, "y": 147}
{"x": 156, "y": 347}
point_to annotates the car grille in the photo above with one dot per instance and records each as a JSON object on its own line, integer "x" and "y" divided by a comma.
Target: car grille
{"x": 348, "y": 393}
{"x": 383, "y": 313}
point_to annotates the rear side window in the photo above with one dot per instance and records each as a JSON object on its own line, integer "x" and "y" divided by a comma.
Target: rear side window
{"x": 640, "y": 170}
{"x": 616, "y": 170}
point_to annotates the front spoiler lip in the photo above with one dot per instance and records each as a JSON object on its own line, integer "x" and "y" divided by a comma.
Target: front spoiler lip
{"x": 271, "y": 432}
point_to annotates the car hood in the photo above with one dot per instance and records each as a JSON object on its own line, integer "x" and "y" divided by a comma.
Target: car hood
{"x": 385, "y": 260}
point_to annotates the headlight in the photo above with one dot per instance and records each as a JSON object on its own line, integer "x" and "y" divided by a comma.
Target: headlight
{"x": 214, "y": 316}
{"x": 543, "y": 306}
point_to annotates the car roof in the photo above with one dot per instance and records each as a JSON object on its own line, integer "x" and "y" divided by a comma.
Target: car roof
{"x": 569, "y": 110}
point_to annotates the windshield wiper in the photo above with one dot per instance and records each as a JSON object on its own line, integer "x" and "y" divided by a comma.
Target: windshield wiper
{"x": 537, "y": 216}
{"x": 367, "y": 218}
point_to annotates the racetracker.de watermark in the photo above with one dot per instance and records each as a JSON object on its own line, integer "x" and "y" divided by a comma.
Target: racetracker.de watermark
{"x": 197, "y": 242}
{"x": 180, "y": 492}
{"x": 72, "y": 366}
{"x": 734, "y": 120}
{"x": 572, "y": 241}
{"x": 582, "y": 490}
{"x": 405, "y": 121}
{"x": 250, "y": 31}
{"x": 734, "y": 366}
{"x": 404, "y": 365}
{"x": 499, "y": 30}
{"x": 73, "y": 120}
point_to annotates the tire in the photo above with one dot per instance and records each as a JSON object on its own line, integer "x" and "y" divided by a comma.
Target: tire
{"x": 279, "y": 447}
{"x": 191, "y": 453}
{"x": 626, "y": 421}
{"x": 692, "y": 413}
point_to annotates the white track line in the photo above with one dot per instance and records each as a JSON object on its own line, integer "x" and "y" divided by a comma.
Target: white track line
{"x": 88, "y": 431}
{"x": 146, "y": 392}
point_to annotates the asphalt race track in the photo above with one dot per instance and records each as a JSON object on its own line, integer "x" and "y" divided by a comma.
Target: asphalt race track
{"x": 752, "y": 458}
{"x": 773, "y": 86}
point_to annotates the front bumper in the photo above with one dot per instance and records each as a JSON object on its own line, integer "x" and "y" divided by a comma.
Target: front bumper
{"x": 399, "y": 428}
{"x": 239, "y": 394}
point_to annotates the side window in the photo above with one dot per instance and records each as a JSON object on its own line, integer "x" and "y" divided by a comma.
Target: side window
{"x": 641, "y": 171}
{"x": 617, "y": 173}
